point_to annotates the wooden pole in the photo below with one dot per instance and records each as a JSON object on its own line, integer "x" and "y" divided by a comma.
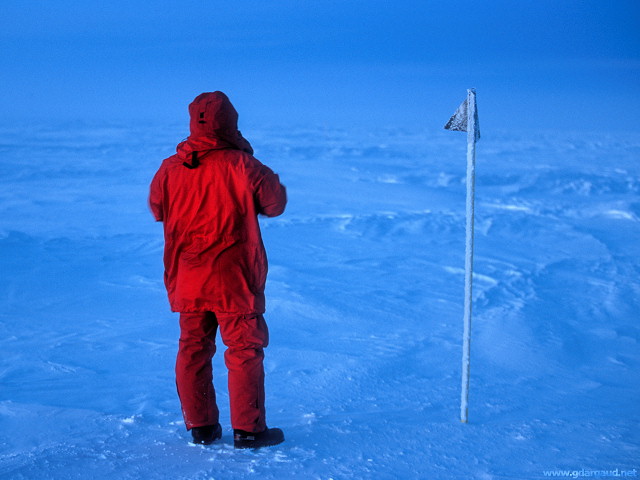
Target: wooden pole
{"x": 468, "y": 280}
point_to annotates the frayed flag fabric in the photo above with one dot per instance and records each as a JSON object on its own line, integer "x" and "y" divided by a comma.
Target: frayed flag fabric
{"x": 459, "y": 121}
{"x": 466, "y": 120}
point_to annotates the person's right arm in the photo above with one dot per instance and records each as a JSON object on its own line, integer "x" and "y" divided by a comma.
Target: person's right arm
{"x": 270, "y": 194}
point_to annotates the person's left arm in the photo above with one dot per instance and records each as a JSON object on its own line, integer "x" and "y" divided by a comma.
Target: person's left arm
{"x": 156, "y": 195}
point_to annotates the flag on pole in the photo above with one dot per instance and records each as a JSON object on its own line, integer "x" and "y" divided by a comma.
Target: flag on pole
{"x": 459, "y": 121}
{"x": 466, "y": 120}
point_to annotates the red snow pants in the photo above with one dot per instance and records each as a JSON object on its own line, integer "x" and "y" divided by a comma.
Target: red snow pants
{"x": 245, "y": 337}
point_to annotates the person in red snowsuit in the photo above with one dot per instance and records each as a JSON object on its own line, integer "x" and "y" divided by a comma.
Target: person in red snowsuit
{"x": 208, "y": 196}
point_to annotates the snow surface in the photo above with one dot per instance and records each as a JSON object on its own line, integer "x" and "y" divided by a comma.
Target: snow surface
{"x": 365, "y": 298}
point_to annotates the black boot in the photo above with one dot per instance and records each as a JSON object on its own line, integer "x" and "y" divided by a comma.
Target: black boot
{"x": 207, "y": 434}
{"x": 267, "y": 438}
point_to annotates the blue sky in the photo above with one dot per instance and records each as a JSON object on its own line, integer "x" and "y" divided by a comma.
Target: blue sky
{"x": 564, "y": 64}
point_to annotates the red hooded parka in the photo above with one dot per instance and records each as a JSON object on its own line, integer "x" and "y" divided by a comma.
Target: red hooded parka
{"x": 208, "y": 195}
